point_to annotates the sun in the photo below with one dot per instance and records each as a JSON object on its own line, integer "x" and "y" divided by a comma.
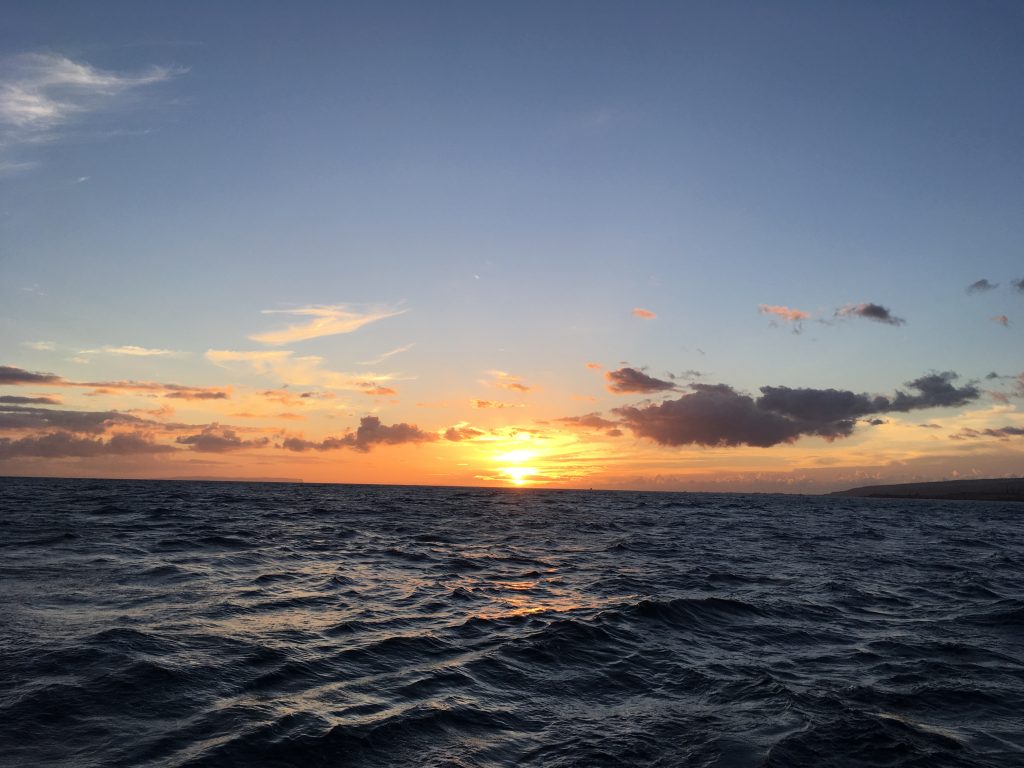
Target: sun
{"x": 518, "y": 475}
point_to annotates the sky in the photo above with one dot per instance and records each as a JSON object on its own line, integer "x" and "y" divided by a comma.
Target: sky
{"x": 729, "y": 246}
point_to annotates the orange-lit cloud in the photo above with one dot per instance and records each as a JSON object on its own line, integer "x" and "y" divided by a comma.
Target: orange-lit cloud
{"x": 595, "y": 366}
{"x": 483, "y": 404}
{"x": 646, "y": 314}
{"x": 788, "y": 314}
{"x": 327, "y": 320}
{"x": 1003, "y": 320}
{"x": 512, "y": 383}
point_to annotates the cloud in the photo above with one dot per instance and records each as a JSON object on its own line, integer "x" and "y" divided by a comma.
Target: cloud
{"x": 645, "y": 314}
{"x": 370, "y": 432}
{"x": 1018, "y": 285}
{"x": 386, "y": 355}
{"x": 718, "y": 415}
{"x": 217, "y": 439}
{"x": 1003, "y": 320}
{"x": 185, "y": 393}
{"x": 595, "y": 366}
{"x": 18, "y": 376}
{"x": 375, "y": 390}
{"x": 40, "y": 92}
{"x": 11, "y": 375}
{"x": 981, "y": 286}
{"x": 507, "y": 381}
{"x": 482, "y": 404}
{"x": 592, "y": 421}
{"x": 1002, "y": 433}
{"x": 819, "y": 405}
{"x": 627, "y": 381}
{"x": 795, "y": 316}
{"x": 327, "y": 320}
{"x": 875, "y": 312}
{"x": 712, "y": 415}
{"x": 18, "y": 400}
{"x": 65, "y": 444}
{"x": 305, "y": 371}
{"x": 14, "y": 416}
{"x": 40, "y": 346}
{"x": 129, "y": 351}
{"x": 458, "y": 433}
{"x": 935, "y": 390}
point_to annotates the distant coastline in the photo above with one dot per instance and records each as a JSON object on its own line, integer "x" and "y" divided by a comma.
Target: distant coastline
{"x": 997, "y": 489}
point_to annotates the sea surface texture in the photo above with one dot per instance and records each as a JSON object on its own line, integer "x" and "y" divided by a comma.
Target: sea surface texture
{"x": 220, "y": 624}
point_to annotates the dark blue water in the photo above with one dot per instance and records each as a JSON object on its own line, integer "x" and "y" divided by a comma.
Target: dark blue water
{"x": 205, "y": 624}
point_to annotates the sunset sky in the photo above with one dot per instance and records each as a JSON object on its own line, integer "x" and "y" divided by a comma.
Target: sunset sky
{"x": 677, "y": 246}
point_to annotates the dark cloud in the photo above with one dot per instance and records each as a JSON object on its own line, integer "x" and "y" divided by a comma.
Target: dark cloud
{"x": 217, "y": 439}
{"x": 65, "y": 444}
{"x": 630, "y": 381}
{"x": 934, "y": 390}
{"x": 717, "y": 415}
{"x": 875, "y": 312}
{"x": 93, "y": 422}
{"x": 370, "y": 432}
{"x": 18, "y": 400}
{"x": 197, "y": 394}
{"x": 713, "y": 415}
{"x": 1003, "y": 433}
{"x": 819, "y": 405}
{"x": 1003, "y": 320}
{"x": 981, "y": 286}
{"x": 457, "y": 434}
{"x": 1018, "y": 284}
{"x": 11, "y": 375}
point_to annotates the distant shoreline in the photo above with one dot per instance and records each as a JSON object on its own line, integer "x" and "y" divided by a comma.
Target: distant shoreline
{"x": 997, "y": 489}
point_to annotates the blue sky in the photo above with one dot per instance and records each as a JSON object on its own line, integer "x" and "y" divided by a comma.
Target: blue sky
{"x": 517, "y": 178}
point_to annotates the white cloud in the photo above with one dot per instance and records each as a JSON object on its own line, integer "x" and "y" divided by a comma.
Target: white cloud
{"x": 129, "y": 350}
{"x": 40, "y": 346}
{"x": 328, "y": 320}
{"x": 40, "y": 92}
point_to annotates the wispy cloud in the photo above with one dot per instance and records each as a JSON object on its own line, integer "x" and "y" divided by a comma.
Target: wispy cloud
{"x": 386, "y": 355}
{"x": 41, "y": 92}
{"x": 129, "y": 350}
{"x": 10, "y": 374}
{"x": 1003, "y": 320}
{"x": 40, "y": 346}
{"x": 327, "y": 320}
{"x": 305, "y": 371}
{"x": 644, "y": 314}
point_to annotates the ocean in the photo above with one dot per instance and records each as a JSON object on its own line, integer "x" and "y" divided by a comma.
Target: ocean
{"x": 231, "y": 624}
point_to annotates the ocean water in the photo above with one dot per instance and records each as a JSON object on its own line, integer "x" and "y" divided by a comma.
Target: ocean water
{"x": 223, "y": 624}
